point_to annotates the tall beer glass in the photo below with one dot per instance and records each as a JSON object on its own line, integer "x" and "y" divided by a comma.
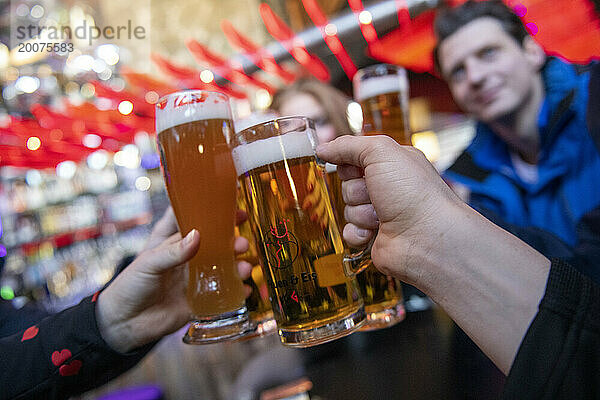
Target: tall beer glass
{"x": 382, "y": 294}
{"x": 193, "y": 128}
{"x": 382, "y": 91}
{"x": 314, "y": 297}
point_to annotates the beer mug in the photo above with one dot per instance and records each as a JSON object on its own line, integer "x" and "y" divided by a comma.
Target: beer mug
{"x": 382, "y": 91}
{"x": 311, "y": 282}
{"x": 381, "y": 294}
{"x": 193, "y": 128}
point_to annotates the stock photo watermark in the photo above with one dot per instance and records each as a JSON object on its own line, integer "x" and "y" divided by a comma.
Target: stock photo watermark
{"x": 40, "y": 31}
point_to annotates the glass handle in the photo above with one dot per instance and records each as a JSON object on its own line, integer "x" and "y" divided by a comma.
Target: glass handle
{"x": 355, "y": 263}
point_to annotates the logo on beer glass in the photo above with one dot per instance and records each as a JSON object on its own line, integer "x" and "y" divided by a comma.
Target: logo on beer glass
{"x": 282, "y": 246}
{"x": 189, "y": 98}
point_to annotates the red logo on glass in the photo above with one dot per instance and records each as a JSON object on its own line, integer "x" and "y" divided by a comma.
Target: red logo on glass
{"x": 282, "y": 246}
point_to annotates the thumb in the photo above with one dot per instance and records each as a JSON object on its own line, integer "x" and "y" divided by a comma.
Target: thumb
{"x": 359, "y": 151}
{"x": 169, "y": 255}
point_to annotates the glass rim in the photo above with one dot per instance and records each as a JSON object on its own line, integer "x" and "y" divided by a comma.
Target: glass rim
{"x": 307, "y": 120}
{"x": 189, "y": 91}
{"x": 374, "y": 67}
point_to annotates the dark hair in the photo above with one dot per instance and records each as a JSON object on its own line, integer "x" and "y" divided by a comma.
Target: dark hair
{"x": 333, "y": 101}
{"x": 451, "y": 19}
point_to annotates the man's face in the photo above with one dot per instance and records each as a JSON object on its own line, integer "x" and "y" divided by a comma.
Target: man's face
{"x": 489, "y": 73}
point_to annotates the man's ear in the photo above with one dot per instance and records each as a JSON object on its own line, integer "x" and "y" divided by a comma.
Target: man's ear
{"x": 534, "y": 53}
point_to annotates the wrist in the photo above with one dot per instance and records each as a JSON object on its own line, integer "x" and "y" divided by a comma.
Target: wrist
{"x": 430, "y": 245}
{"x": 113, "y": 330}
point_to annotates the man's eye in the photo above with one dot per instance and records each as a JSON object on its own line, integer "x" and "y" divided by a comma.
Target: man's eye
{"x": 458, "y": 74}
{"x": 489, "y": 53}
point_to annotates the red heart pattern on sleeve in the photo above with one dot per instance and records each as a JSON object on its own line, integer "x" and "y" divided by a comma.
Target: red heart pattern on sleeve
{"x": 30, "y": 333}
{"x": 70, "y": 369}
{"x": 59, "y": 358}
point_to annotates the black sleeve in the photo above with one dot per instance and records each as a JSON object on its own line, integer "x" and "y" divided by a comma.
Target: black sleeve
{"x": 62, "y": 355}
{"x": 559, "y": 357}
{"x": 586, "y": 257}
{"x": 13, "y": 320}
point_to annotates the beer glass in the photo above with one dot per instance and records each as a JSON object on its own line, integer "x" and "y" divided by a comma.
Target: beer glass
{"x": 193, "y": 128}
{"x": 312, "y": 288}
{"x": 381, "y": 294}
{"x": 382, "y": 91}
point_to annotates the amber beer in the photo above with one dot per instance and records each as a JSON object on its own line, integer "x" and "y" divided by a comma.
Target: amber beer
{"x": 382, "y": 91}
{"x": 313, "y": 300}
{"x": 201, "y": 182}
{"x": 382, "y": 294}
{"x": 257, "y": 303}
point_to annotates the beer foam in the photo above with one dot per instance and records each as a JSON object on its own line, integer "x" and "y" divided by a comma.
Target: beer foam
{"x": 380, "y": 85}
{"x": 253, "y": 155}
{"x": 189, "y": 106}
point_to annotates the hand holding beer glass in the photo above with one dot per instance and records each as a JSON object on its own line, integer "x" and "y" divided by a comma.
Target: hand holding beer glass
{"x": 193, "y": 127}
{"x": 314, "y": 299}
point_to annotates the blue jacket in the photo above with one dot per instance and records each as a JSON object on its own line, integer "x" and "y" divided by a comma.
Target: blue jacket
{"x": 568, "y": 183}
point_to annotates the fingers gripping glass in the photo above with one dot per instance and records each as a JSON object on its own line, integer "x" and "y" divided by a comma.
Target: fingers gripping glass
{"x": 311, "y": 282}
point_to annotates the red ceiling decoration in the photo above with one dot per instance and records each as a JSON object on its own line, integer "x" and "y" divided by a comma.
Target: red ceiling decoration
{"x": 566, "y": 28}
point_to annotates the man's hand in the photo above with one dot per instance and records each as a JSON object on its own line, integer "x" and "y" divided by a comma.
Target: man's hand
{"x": 429, "y": 238}
{"x": 393, "y": 188}
{"x": 147, "y": 300}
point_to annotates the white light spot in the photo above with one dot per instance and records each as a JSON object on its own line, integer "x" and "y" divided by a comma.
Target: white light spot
{"x": 143, "y": 183}
{"x": 263, "y": 99}
{"x": 27, "y": 84}
{"x": 66, "y": 169}
{"x": 98, "y": 159}
{"x": 34, "y": 143}
{"x": 207, "y": 76}
{"x": 98, "y": 65}
{"x": 33, "y": 177}
{"x": 151, "y": 97}
{"x": 37, "y": 11}
{"x": 125, "y": 107}
{"x": 92, "y": 141}
{"x": 330, "y": 29}
{"x": 129, "y": 157}
{"x": 365, "y": 17}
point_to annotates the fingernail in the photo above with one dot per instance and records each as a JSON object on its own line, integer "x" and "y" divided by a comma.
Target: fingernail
{"x": 363, "y": 232}
{"x": 190, "y": 237}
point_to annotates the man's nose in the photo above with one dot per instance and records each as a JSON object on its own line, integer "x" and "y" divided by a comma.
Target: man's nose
{"x": 476, "y": 72}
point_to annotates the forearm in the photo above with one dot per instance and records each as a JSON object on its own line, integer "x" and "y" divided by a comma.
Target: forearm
{"x": 60, "y": 356}
{"x": 488, "y": 281}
